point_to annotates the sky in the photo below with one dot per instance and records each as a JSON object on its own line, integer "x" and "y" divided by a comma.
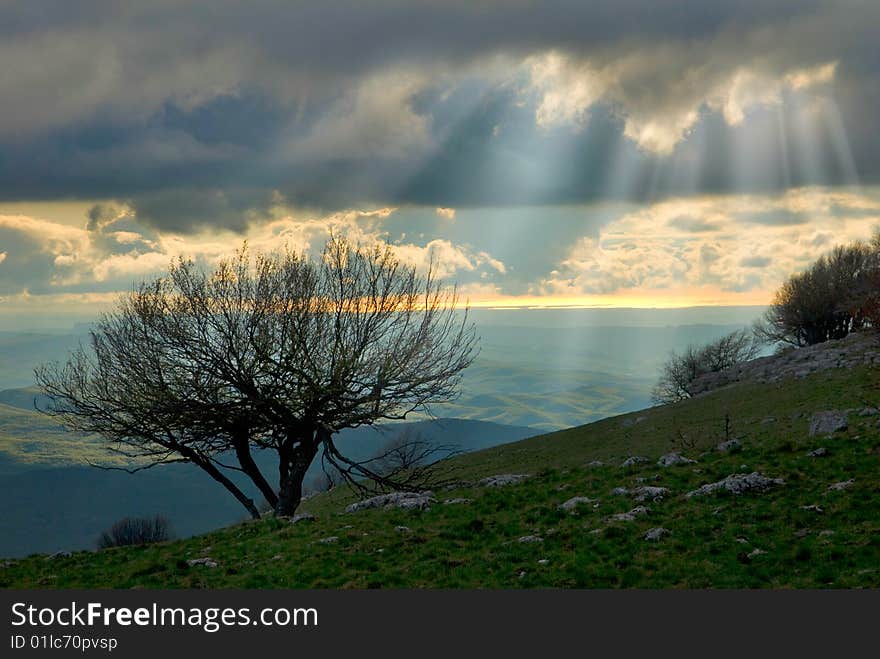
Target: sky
{"x": 635, "y": 153}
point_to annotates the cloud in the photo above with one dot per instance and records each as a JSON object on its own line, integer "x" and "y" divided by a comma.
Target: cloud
{"x": 632, "y": 252}
{"x": 355, "y": 104}
{"x": 448, "y": 213}
{"x": 756, "y": 262}
{"x": 693, "y": 224}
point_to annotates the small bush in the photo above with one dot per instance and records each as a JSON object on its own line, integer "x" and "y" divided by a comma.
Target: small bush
{"x": 136, "y": 531}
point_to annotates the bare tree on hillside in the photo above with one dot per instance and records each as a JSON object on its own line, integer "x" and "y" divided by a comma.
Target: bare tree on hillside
{"x": 681, "y": 370}
{"x": 276, "y": 355}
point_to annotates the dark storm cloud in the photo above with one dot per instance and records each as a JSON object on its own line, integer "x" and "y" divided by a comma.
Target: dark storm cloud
{"x": 196, "y": 113}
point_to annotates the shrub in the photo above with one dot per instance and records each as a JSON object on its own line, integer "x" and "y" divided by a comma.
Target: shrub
{"x": 831, "y": 298}
{"x": 679, "y": 372}
{"x": 136, "y": 531}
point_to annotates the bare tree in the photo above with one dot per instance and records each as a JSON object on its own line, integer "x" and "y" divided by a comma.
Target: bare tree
{"x": 681, "y": 370}
{"x": 276, "y": 353}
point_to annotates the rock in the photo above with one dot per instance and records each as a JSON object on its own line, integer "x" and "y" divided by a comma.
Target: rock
{"x": 755, "y": 552}
{"x": 630, "y": 516}
{"x": 742, "y": 541}
{"x": 277, "y": 557}
{"x": 450, "y": 502}
{"x": 402, "y": 500}
{"x": 502, "y": 479}
{"x": 730, "y": 446}
{"x": 303, "y": 517}
{"x": 329, "y": 540}
{"x": 827, "y": 423}
{"x": 812, "y": 508}
{"x": 869, "y": 411}
{"x": 572, "y": 504}
{"x": 768, "y": 420}
{"x": 58, "y": 554}
{"x": 820, "y": 452}
{"x": 543, "y": 561}
{"x": 526, "y": 539}
{"x": 403, "y": 529}
{"x": 737, "y": 484}
{"x": 205, "y": 561}
{"x": 595, "y": 463}
{"x": 672, "y": 459}
{"x": 657, "y": 533}
{"x": 522, "y": 573}
{"x": 650, "y": 493}
{"x": 620, "y": 492}
{"x": 634, "y": 460}
{"x": 842, "y": 485}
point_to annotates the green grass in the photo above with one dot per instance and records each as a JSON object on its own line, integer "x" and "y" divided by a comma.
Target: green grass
{"x": 475, "y": 545}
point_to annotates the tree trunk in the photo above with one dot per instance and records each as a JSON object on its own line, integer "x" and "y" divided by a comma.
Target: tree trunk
{"x": 249, "y": 467}
{"x": 292, "y": 468}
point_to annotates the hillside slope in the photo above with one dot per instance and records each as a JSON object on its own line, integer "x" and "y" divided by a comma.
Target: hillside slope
{"x": 34, "y": 518}
{"x": 809, "y": 532}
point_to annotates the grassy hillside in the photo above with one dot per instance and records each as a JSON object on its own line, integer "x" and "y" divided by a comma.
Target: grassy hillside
{"x": 51, "y": 501}
{"x": 750, "y": 540}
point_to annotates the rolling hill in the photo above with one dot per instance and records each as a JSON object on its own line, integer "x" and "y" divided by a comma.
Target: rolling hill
{"x": 814, "y": 524}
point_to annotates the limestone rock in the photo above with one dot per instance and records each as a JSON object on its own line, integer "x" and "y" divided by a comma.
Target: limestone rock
{"x": 526, "y": 539}
{"x": 502, "y": 479}
{"x": 828, "y": 422}
{"x": 650, "y": 493}
{"x": 657, "y": 533}
{"x": 634, "y": 460}
{"x": 672, "y": 459}
{"x": 737, "y": 484}
{"x": 730, "y": 446}
{"x": 630, "y": 516}
{"x": 402, "y": 500}
{"x": 842, "y": 485}
{"x": 205, "y": 561}
{"x": 572, "y": 504}
{"x": 303, "y": 517}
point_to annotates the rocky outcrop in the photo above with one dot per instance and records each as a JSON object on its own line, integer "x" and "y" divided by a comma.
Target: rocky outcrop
{"x": 402, "y": 500}
{"x": 502, "y": 479}
{"x": 649, "y": 493}
{"x": 572, "y": 504}
{"x": 828, "y": 423}
{"x": 630, "y": 516}
{"x": 857, "y": 349}
{"x": 672, "y": 459}
{"x": 657, "y": 533}
{"x": 737, "y": 484}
